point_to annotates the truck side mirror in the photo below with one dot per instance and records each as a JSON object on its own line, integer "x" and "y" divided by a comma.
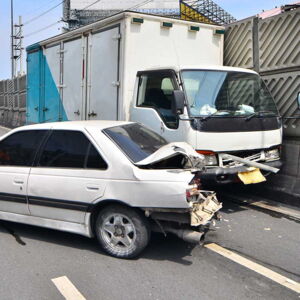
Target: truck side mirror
{"x": 178, "y": 102}
{"x": 298, "y": 100}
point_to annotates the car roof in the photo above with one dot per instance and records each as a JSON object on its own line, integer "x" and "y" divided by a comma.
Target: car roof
{"x": 75, "y": 125}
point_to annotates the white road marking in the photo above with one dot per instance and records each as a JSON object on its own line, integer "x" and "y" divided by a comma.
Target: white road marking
{"x": 286, "y": 282}
{"x": 67, "y": 289}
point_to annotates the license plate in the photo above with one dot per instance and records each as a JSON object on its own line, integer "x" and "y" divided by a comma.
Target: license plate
{"x": 253, "y": 176}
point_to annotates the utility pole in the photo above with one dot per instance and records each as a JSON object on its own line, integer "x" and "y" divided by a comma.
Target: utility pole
{"x": 18, "y": 48}
{"x": 12, "y": 37}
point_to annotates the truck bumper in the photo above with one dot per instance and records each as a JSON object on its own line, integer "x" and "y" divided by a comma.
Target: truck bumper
{"x": 220, "y": 175}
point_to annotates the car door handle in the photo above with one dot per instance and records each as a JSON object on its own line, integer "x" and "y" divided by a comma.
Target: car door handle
{"x": 93, "y": 187}
{"x": 18, "y": 181}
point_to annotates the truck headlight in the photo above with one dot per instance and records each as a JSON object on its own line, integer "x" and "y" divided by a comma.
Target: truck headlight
{"x": 272, "y": 154}
{"x": 210, "y": 157}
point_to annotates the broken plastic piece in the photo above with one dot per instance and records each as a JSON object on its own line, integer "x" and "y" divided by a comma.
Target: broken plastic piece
{"x": 204, "y": 211}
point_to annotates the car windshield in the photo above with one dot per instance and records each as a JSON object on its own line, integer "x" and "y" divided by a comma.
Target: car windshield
{"x": 135, "y": 140}
{"x": 220, "y": 93}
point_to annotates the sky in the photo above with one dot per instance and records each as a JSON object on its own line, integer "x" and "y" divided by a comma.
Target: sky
{"x": 37, "y": 29}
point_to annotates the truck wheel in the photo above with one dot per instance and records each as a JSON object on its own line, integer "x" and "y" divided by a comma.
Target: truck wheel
{"x": 121, "y": 231}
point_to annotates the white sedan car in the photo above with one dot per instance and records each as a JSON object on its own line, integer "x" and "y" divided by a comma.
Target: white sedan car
{"x": 113, "y": 180}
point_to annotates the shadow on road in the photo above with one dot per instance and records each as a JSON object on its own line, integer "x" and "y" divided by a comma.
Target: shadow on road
{"x": 160, "y": 248}
{"x": 170, "y": 248}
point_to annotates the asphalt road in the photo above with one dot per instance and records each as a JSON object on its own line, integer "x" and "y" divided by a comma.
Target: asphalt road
{"x": 169, "y": 268}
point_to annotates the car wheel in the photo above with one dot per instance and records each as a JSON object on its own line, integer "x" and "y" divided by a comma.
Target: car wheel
{"x": 121, "y": 231}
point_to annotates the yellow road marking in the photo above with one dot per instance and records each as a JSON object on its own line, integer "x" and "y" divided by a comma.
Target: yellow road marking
{"x": 67, "y": 289}
{"x": 286, "y": 211}
{"x": 288, "y": 283}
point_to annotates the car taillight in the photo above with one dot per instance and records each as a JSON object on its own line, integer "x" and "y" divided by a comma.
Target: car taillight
{"x": 192, "y": 192}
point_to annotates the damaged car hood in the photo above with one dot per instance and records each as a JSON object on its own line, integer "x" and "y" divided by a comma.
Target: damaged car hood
{"x": 171, "y": 150}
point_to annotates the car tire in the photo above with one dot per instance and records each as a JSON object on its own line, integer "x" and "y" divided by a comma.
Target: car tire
{"x": 122, "y": 231}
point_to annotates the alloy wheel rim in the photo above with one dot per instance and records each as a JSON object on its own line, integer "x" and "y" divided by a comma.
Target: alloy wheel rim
{"x": 119, "y": 232}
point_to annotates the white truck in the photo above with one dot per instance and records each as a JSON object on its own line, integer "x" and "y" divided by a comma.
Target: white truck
{"x": 165, "y": 73}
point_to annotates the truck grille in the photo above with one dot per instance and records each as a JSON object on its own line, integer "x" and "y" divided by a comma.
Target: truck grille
{"x": 250, "y": 155}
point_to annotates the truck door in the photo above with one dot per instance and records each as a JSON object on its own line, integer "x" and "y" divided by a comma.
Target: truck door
{"x": 33, "y": 86}
{"x": 154, "y": 101}
{"x": 103, "y": 69}
{"x": 73, "y": 79}
{"x": 51, "y": 98}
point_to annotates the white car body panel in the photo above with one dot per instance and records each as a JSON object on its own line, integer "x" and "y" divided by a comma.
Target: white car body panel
{"x": 78, "y": 186}
{"x": 81, "y": 229}
{"x": 13, "y": 180}
{"x": 61, "y": 198}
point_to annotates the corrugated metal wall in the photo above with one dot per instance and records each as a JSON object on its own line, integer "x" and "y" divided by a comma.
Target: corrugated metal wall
{"x": 238, "y": 44}
{"x": 279, "y": 42}
{"x": 13, "y": 102}
{"x": 272, "y": 47}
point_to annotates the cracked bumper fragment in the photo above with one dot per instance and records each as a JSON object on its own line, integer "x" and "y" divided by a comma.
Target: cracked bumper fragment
{"x": 204, "y": 210}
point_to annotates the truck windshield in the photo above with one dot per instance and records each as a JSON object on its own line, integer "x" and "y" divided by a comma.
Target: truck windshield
{"x": 135, "y": 140}
{"x": 222, "y": 94}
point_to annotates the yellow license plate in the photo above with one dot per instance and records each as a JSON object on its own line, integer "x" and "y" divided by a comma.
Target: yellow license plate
{"x": 253, "y": 176}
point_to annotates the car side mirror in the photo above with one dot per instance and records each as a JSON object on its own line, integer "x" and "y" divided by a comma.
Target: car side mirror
{"x": 298, "y": 100}
{"x": 178, "y": 102}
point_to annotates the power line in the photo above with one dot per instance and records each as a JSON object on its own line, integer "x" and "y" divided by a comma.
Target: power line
{"x": 42, "y": 14}
{"x": 42, "y": 29}
{"x": 29, "y": 12}
{"x": 140, "y": 4}
{"x": 91, "y": 4}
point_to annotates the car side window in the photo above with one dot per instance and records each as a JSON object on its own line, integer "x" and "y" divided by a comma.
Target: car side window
{"x": 70, "y": 149}
{"x": 19, "y": 149}
{"x": 94, "y": 160}
{"x": 156, "y": 91}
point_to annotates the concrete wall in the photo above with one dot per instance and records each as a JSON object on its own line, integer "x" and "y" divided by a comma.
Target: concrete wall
{"x": 288, "y": 181}
{"x": 3, "y": 130}
{"x": 271, "y": 47}
{"x": 13, "y": 102}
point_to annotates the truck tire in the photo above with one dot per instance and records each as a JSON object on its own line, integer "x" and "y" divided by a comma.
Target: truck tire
{"x": 122, "y": 231}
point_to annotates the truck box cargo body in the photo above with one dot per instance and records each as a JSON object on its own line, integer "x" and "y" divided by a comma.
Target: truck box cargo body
{"x": 127, "y": 67}
{"x": 90, "y": 73}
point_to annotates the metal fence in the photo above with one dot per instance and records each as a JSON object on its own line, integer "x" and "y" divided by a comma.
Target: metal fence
{"x": 271, "y": 47}
{"x": 13, "y": 102}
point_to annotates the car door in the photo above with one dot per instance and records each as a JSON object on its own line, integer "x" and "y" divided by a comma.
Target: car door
{"x": 67, "y": 177}
{"x": 17, "y": 153}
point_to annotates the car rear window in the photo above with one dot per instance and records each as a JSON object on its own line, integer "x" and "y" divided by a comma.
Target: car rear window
{"x": 135, "y": 140}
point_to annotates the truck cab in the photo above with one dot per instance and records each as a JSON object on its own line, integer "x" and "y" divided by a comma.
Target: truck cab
{"x": 224, "y": 110}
